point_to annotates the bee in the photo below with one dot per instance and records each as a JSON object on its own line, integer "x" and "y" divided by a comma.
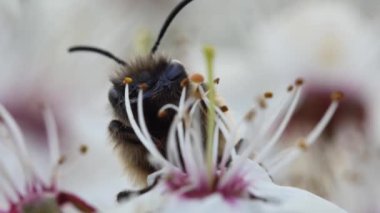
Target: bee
{"x": 162, "y": 80}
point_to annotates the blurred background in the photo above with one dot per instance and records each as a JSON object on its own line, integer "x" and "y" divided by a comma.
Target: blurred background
{"x": 261, "y": 45}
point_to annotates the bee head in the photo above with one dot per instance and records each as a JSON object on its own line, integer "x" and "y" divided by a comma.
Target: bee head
{"x": 158, "y": 77}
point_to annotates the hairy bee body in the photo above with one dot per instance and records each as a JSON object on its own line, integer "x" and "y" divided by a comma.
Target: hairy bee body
{"x": 161, "y": 79}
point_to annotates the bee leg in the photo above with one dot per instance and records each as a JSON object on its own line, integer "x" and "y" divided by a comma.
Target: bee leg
{"x": 125, "y": 195}
{"x": 122, "y": 133}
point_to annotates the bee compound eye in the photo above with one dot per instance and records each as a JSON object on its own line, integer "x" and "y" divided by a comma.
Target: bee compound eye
{"x": 113, "y": 96}
{"x": 174, "y": 71}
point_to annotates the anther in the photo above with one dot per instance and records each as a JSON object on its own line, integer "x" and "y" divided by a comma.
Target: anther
{"x": 143, "y": 86}
{"x": 302, "y": 144}
{"x": 127, "y": 80}
{"x": 224, "y": 108}
{"x": 262, "y": 103}
{"x": 197, "y": 78}
{"x": 185, "y": 82}
{"x": 162, "y": 113}
{"x": 216, "y": 80}
{"x": 299, "y": 82}
{"x": 250, "y": 115}
{"x": 61, "y": 160}
{"x": 268, "y": 95}
{"x": 83, "y": 149}
{"x": 290, "y": 88}
{"x": 337, "y": 96}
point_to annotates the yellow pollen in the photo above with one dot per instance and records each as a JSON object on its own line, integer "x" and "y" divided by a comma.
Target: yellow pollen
{"x": 197, "y": 78}
{"x": 127, "y": 80}
{"x": 337, "y": 96}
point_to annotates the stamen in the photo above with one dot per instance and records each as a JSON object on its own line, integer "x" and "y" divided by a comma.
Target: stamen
{"x": 7, "y": 180}
{"x": 53, "y": 142}
{"x": 197, "y": 78}
{"x": 216, "y": 146}
{"x": 163, "y": 111}
{"x": 247, "y": 152}
{"x": 262, "y": 102}
{"x": 83, "y": 149}
{"x": 181, "y": 141}
{"x": 62, "y": 160}
{"x": 250, "y": 116}
{"x": 147, "y": 142}
{"x": 268, "y": 95}
{"x": 198, "y": 154}
{"x": 127, "y": 80}
{"x": 290, "y": 88}
{"x": 172, "y": 152}
{"x": 20, "y": 148}
{"x": 52, "y": 135}
{"x": 302, "y": 144}
{"x": 299, "y": 82}
{"x": 144, "y": 87}
{"x": 276, "y": 113}
{"x": 314, "y": 134}
{"x": 276, "y": 136}
{"x": 224, "y": 108}
{"x": 337, "y": 96}
{"x": 294, "y": 152}
{"x": 216, "y": 80}
{"x": 219, "y": 112}
{"x": 185, "y": 82}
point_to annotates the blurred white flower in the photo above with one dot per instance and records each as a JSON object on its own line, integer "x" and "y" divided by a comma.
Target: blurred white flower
{"x": 23, "y": 187}
{"x": 334, "y": 46}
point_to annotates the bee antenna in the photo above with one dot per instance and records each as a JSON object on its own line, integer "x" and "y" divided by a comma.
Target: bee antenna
{"x": 167, "y": 22}
{"x": 99, "y": 51}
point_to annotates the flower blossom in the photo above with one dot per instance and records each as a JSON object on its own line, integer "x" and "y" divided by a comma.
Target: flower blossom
{"x": 224, "y": 171}
{"x": 23, "y": 186}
